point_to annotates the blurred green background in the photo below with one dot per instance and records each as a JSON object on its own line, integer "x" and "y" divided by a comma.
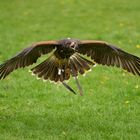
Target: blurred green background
{"x": 31, "y": 109}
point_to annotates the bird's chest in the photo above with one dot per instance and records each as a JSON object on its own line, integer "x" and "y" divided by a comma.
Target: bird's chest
{"x": 63, "y": 53}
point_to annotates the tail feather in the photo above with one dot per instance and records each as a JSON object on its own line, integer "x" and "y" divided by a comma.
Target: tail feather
{"x": 56, "y": 69}
{"x": 74, "y": 68}
{"x": 48, "y": 69}
{"x": 52, "y": 73}
{"x": 41, "y": 72}
{"x": 53, "y": 69}
{"x": 39, "y": 68}
{"x": 79, "y": 64}
{"x": 83, "y": 63}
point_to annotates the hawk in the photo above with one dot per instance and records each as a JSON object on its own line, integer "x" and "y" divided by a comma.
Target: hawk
{"x": 67, "y": 59}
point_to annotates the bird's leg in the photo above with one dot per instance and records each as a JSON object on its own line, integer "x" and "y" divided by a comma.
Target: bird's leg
{"x": 79, "y": 86}
{"x": 65, "y": 85}
{"x": 68, "y": 87}
{"x": 76, "y": 79}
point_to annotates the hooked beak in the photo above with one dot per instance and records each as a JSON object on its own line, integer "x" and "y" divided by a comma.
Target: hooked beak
{"x": 72, "y": 45}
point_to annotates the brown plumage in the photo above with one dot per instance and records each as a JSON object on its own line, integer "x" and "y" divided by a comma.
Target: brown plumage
{"x": 66, "y": 60}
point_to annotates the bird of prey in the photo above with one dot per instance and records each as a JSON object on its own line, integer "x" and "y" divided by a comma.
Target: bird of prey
{"x": 67, "y": 59}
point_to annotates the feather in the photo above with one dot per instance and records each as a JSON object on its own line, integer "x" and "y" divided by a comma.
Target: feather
{"x": 106, "y": 54}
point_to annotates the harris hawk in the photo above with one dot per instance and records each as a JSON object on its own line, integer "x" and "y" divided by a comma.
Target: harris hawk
{"x": 67, "y": 59}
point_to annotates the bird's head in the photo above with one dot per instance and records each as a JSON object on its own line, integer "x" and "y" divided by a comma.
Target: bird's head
{"x": 70, "y": 44}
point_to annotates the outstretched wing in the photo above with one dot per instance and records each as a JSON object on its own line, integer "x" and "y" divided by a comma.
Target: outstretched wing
{"x": 27, "y": 57}
{"x": 106, "y": 54}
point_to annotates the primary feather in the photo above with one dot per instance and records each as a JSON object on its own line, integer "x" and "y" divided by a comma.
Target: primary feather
{"x": 106, "y": 54}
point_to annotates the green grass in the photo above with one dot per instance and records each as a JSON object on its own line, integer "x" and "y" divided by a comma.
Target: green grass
{"x": 33, "y": 110}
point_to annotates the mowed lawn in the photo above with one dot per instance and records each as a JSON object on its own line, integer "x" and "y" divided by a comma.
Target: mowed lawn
{"x": 33, "y": 110}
